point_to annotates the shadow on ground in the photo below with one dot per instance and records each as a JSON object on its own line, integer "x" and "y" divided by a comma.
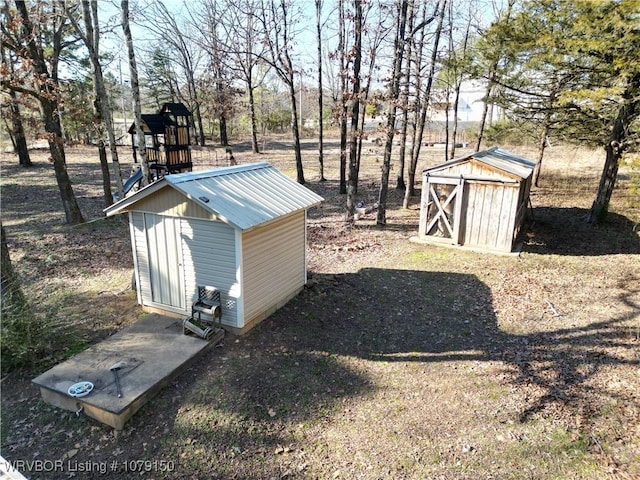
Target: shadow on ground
{"x": 565, "y": 231}
{"x": 242, "y": 404}
{"x": 303, "y": 362}
{"x": 397, "y": 315}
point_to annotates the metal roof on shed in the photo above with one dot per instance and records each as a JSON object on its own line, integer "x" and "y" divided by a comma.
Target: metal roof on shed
{"x": 497, "y": 158}
{"x": 244, "y": 196}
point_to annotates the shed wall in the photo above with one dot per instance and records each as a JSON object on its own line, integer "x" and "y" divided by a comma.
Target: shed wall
{"x": 474, "y": 169}
{"x": 205, "y": 253}
{"x": 139, "y": 241}
{"x": 274, "y": 266}
{"x": 209, "y": 258}
{"x": 490, "y": 214}
{"x": 169, "y": 201}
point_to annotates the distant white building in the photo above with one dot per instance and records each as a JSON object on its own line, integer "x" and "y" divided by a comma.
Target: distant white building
{"x": 470, "y": 104}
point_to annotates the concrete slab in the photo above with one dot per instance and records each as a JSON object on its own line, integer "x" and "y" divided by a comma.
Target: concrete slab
{"x": 154, "y": 351}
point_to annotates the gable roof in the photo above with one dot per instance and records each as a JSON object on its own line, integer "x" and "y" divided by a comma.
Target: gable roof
{"x": 497, "y": 158}
{"x": 152, "y": 123}
{"x": 178, "y": 109}
{"x": 243, "y": 196}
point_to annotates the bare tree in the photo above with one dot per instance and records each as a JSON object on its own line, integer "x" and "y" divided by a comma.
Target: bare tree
{"x": 392, "y": 99}
{"x": 404, "y": 100}
{"x": 426, "y": 97}
{"x": 354, "y": 134}
{"x": 458, "y": 74}
{"x": 320, "y": 95}
{"x": 211, "y": 41}
{"x": 39, "y": 46}
{"x": 135, "y": 89}
{"x": 278, "y": 19}
{"x": 375, "y": 33}
{"x": 417, "y": 104}
{"x": 16, "y": 129}
{"x": 165, "y": 26}
{"x": 91, "y": 38}
{"x": 242, "y": 41}
{"x": 343, "y": 108}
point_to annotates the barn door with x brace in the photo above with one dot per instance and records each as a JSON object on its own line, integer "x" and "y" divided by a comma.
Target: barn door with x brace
{"x": 441, "y": 209}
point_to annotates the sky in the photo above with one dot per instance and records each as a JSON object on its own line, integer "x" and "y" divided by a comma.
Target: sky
{"x": 305, "y": 49}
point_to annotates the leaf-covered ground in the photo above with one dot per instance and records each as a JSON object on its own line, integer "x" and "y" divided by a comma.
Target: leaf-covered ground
{"x": 399, "y": 360}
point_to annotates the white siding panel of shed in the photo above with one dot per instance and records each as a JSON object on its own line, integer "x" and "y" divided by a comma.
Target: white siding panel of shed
{"x": 209, "y": 256}
{"x": 170, "y": 202}
{"x": 274, "y": 263}
{"x": 165, "y": 260}
{"x": 139, "y": 240}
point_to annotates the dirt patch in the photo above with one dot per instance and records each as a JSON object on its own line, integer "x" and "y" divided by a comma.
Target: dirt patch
{"x": 398, "y": 361}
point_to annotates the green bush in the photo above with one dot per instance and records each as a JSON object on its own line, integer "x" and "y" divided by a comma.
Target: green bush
{"x": 509, "y": 132}
{"x": 26, "y": 340}
{"x": 19, "y": 334}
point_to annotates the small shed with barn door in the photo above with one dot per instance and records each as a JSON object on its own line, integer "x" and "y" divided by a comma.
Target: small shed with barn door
{"x": 479, "y": 200}
{"x": 240, "y": 229}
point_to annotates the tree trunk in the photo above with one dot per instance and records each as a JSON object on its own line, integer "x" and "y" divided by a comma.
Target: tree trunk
{"x": 18, "y": 136}
{"x": 485, "y": 106}
{"x": 12, "y": 296}
{"x": 252, "y": 114}
{"x": 277, "y": 23}
{"x": 410, "y": 190}
{"x": 16, "y": 131}
{"x": 296, "y": 133}
{"x": 48, "y": 98}
{"x": 72, "y": 211}
{"x": 394, "y": 91}
{"x": 542, "y": 144}
{"x": 352, "y": 185}
{"x": 195, "y": 100}
{"x": 135, "y": 90}
{"x": 456, "y": 104}
{"x": 222, "y": 116}
{"x": 614, "y": 148}
{"x": 458, "y": 78}
{"x": 104, "y": 166}
{"x": 222, "y": 124}
{"x": 416, "y": 113}
{"x": 198, "y": 114}
{"x": 91, "y": 39}
{"x": 404, "y": 105}
{"x": 103, "y": 106}
{"x": 371, "y": 56}
{"x": 320, "y": 96}
{"x": 343, "y": 105}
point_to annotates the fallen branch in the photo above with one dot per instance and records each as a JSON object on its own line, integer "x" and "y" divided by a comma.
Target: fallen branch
{"x": 553, "y": 309}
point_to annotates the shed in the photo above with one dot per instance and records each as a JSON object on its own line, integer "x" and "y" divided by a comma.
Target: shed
{"x": 479, "y": 200}
{"x": 240, "y": 229}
